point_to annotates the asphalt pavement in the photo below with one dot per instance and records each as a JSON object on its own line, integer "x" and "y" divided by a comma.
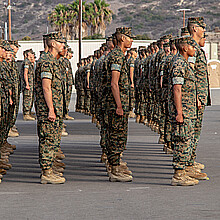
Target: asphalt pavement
{"x": 88, "y": 194}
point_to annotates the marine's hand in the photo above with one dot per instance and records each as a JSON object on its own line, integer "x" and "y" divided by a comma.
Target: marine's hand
{"x": 179, "y": 118}
{"x": 52, "y": 116}
{"x": 119, "y": 111}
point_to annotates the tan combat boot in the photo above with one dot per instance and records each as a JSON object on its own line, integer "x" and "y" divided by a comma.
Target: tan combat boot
{"x": 13, "y": 133}
{"x": 58, "y": 163}
{"x": 93, "y": 119}
{"x": 64, "y": 132}
{"x": 132, "y": 114}
{"x": 199, "y": 166}
{"x": 59, "y": 155}
{"x": 195, "y": 173}
{"x": 138, "y": 117}
{"x": 7, "y": 145}
{"x": 98, "y": 125}
{"x": 181, "y": 179}
{"x": 4, "y": 165}
{"x": 169, "y": 149}
{"x": 161, "y": 139}
{"x": 2, "y": 171}
{"x": 103, "y": 158}
{"x": 117, "y": 176}
{"x": 146, "y": 122}
{"x": 28, "y": 118}
{"x": 142, "y": 119}
{"x": 49, "y": 177}
{"x": 67, "y": 117}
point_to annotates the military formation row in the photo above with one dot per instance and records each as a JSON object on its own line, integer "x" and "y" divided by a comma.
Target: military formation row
{"x": 165, "y": 86}
{"x": 14, "y": 82}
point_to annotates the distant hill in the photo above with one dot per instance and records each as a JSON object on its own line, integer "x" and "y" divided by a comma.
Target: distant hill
{"x": 152, "y": 17}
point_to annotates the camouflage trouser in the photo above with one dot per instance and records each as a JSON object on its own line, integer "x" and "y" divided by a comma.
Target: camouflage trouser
{"x": 167, "y": 129}
{"x": 68, "y": 96}
{"x": 137, "y": 101}
{"x": 3, "y": 128}
{"x": 92, "y": 106}
{"x": 81, "y": 99}
{"x": 146, "y": 100}
{"x": 117, "y": 136}
{"x": 142, "y": 101}
{"x": 162, "y": 116}
{"x": 77, "y": 99}
{"x": 198, "y": 128}
{"x": 103, "y": 132}
{"x": 49, "y": 134}
{"x": 28, "y": 100}
{"x": 10, "y": 121}
{"x": 149, "y": 106}
{"x": 183, "y": 138}
{"x": 87, "y": 99}
{"x": 132, "y": 99}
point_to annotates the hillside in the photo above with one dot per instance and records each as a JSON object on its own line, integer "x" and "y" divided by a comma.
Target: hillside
{"x": 152, "y": 17}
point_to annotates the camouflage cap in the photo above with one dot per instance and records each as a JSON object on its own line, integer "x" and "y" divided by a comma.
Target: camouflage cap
{"x": 184, "y": 31}
{"x": 186, "y": 40}
{"x": 14, "y": 42}
{"x": 141, "y": 48}
{"x": 70, "y": 50}
{"x": 198, "y": 21}
{"x": 2, "y": 45}
{"x": 57, "y": 36}
{"x": 134, "y": 49}
{"x": 166, "y": 37}
{"x": 126, "y": 31}
{"x": 167, "y": 44}
{"x": 7, "y": 46}
{"x": 110, "y": 38}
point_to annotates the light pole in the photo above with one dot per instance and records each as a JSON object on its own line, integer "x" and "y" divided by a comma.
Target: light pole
{"x": 9, "y": 19}
{"x": 80, "y": 30}
{"x": 184, "y": 14}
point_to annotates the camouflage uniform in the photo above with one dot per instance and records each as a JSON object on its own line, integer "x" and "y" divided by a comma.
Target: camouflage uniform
{"x": 202, "y": 86}
{"x": 70, "y": 82}
{"x": 28, "y": 95}
{"x": 117, "y": 125}
{"x": 183, "y": 134}
{"x": 49, "y": 132}
{"x": 131, "y": 62}
{"x": 92, "y": 86}
{"x": 5, "y": 85}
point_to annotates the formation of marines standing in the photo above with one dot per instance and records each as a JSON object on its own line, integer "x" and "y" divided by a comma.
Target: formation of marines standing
{"x": 166, "y": 87}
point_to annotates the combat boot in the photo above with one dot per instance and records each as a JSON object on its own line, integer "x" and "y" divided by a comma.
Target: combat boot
{"x": 59, "y": 156}
{"x": 56, "y": 173}
{"x": 98, "y": 125}
{"x": 146, "y": 122}
{"x": 8, "y": 145}
{"x": 49, "y": 177}
{"x": 7, "y": 150}
{"x": 142, "y": 119}
{"x": 161, "y": 139}
{"x": 125, "y": 169}
{"x": 28, "y": 118}
{"x": 64, "y": 132}
{"x": 13, "y": 133}
{"x": 93, "y": 119}
{"x": 2, "y": 171}
{"x": 132, "y": 114}
{"x": 57, "y": 163}
{"x": 198, "y": 165}
{"x": 117, "y": 176}
{"x": 181, "y": 179}
{"x": 4, "y": 165}
{"x": 67, "y": 117}
{"x": 169, "y": 149}
{"x": 138, "y": 117}
{"x": 195, "y": 173}
{"x": 103, "y": 158}
{"x": 58, "y": 169}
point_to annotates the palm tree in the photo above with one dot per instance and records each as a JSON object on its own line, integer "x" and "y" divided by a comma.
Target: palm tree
{"x": 103, "y": 16}
{"x": 59, "y": 19}
{"x": 74, "y": 19}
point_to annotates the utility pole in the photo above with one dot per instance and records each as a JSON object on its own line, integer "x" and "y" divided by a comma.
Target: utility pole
{"x": 184, "y": 14}
{"x": 9, "y": 19}
{"x": 80, "y": 30}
